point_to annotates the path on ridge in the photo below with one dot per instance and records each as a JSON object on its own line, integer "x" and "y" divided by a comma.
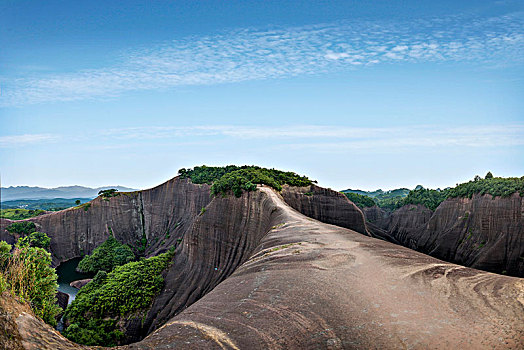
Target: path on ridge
{"x": 314, "y": 285}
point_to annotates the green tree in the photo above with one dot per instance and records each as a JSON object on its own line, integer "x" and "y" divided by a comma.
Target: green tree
{"x": 489, "y": 175}
{"x": 39, "y": 239}
{"x": 77, "y": 202}
{"x": 106, "y": 257}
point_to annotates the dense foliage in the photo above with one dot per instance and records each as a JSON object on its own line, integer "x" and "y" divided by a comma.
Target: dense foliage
{"x": 242, "y": 178}
{"x": 38, "y": 239}
{"x": 106, "y": 257}
{"x": 360, "y": 200}
{"x": 26, "y": 272}
{"x": 94, "y": 314}
{"x": 23, "y": 228}
{"x": 431, "y": 199}
{"x": 19, "y": 214}
{"x": 389, "y": 200}
{"x": 495, "y": 186}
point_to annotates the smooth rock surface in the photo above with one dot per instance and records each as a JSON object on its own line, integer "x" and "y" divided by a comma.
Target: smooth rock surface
{"x": 300, "y": 283}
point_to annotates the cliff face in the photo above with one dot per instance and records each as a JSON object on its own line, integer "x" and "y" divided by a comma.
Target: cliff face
{"x": 266, "y": 276}
{"x": 482, "y": 232}
{"x": 325, "y": 205}
{"x": 161, "y": 214}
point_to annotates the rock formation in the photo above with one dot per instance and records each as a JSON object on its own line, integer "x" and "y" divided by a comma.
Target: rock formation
{"x": 252, "y": 272}
{"x": 482, "y": 232}
{"x": 80, "y": 283}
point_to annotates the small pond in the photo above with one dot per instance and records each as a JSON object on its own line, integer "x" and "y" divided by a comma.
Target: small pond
{"x": 67, "y": 273}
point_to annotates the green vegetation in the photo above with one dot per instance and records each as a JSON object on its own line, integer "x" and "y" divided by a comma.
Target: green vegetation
{"x": 238, "y": 179}
{"x": 431, "y": 199}
{"x": 19, "y": 214}
{"x": 128, "y": 289}
{"x": 389, "y": 200}
{"x": 86, "y": 206}
{"x": 360, "y": 200}
{"x": 108, "y": 193}
{"x": 43, "y": 204}
{"x": 38, "y": 239}
{"x": 106, "y": 257}
{"x": 494, "y": 186}
{"x": 22, "y": 228}
{"x": 26, "y": 273}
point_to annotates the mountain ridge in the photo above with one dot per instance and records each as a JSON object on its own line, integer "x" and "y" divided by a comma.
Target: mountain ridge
{"x": 66, "y": 192}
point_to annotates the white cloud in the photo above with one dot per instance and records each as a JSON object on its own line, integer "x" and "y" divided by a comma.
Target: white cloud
{"x": 25, "y": 139}
{"x": 339, "y": 137}
{"x": 264, "y": 54}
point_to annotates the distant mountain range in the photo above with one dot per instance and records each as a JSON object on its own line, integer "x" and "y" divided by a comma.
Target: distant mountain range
{"x": 29, "y": 192}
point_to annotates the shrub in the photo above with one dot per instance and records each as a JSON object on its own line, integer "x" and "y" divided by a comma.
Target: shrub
{"x": 106, "y": 257}
{"x": 39, "y": 239}
{"x": 22, "y": 228}
{"x": 99, "y": 305}
{"x": 28, "y": 274}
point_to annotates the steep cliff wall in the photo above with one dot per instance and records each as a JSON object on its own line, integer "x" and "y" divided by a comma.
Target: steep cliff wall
{"x": 161, "y": 214}
{"x": 306, "y": 284}
{"x": 375, "y": 215}
{"x": 482, "y": 232}
{"x": 325, "y": 205}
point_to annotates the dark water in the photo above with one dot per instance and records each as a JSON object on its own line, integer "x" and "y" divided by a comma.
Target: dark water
{"x": 67, "y": 273}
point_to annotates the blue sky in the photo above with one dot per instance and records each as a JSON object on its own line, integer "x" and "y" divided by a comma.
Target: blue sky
{"x": 375, "y": 94}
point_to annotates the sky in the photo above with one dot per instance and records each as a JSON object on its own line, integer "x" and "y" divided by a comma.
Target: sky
{"x": 354, "y": 94}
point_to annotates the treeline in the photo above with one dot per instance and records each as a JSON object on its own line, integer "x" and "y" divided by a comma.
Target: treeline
{"x": 237, "y": 179}
{"x": 495, "y": 186}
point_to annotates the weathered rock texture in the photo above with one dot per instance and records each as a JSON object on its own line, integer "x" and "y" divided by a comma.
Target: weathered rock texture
{"x": 482, "y": 232}
{"x": 80, "y": 283}
{"x": 325, "y": 205}
{"x": 161, "y": 214}
{"x": 253, "y": 273}
{"x": 375, "y": 215}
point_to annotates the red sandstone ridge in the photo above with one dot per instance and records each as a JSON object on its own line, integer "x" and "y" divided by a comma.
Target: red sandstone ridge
{"x": 482, "y": 232}
{"x": 284, "y": 280}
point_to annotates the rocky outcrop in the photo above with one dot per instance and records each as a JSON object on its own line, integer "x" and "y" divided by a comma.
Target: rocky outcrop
{"x": 80, "y": 283}
{"x": 161, "y": 215}
{"x": 300, "y": 283}
{"x": 375, "y": 215}
{"x": 62, "y": 299}
{"x": 325, "y": 205}
{"x": 481, "y": 232}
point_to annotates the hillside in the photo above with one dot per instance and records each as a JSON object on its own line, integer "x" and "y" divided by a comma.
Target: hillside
{"x": 253, "y": 272}
{"x": 68, "y": 192}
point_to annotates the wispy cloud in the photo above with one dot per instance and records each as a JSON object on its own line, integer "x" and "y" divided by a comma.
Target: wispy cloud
{"x": 337, "y": 138}
{"x": 312, "y": 137}
{"x": 249, "y": 54}
{"x": 26, "y": 139}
